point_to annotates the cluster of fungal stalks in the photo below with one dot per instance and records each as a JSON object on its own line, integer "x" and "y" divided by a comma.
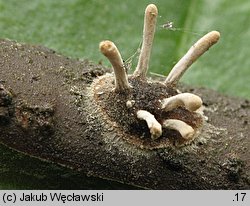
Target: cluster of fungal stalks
{"x": 133, "y": 101}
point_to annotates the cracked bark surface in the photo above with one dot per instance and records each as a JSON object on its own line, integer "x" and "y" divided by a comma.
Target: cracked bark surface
{"x": 46, "y": 112}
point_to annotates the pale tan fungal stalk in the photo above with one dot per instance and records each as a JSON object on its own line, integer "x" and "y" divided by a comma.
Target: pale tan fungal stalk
{"x": 200, "y": 47}
{"x": 151, "y": 13}
{"x": 153, "y": 124}
{"x": 109, "y": 49}
{"x": 190, "y": 101}
{"x": 183, "y": 128}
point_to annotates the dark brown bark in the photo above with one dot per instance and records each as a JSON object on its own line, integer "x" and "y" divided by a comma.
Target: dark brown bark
{"x": 45, "y": 111}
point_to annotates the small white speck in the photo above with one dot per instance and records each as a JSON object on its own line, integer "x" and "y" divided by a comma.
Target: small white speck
{"x": 130, "y": 103}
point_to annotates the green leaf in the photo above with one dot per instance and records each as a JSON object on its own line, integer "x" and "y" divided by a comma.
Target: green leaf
{"x": 75, "y": 28}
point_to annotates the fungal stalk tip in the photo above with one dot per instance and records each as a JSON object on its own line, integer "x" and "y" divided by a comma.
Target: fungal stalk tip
{"x": 109, "y": 50}
{"x": 150, "y": 17}
{"x": 153, "y": 124}
{"x": 186, "y": 131}
{"x": 199, "y": 48}
{"x": 190, "y": 101}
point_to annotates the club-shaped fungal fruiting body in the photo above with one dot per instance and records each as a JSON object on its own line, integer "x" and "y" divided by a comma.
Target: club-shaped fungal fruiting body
{"x": 150, "y": 114}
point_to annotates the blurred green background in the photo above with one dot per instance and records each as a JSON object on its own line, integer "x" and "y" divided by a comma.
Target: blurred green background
{"x": 75, "y": 28}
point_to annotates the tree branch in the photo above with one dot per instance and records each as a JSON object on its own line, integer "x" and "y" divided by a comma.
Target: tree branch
{"x": 47, "y": 111}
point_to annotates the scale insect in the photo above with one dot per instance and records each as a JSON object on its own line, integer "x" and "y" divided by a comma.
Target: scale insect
{"x": 160, "y": 116}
